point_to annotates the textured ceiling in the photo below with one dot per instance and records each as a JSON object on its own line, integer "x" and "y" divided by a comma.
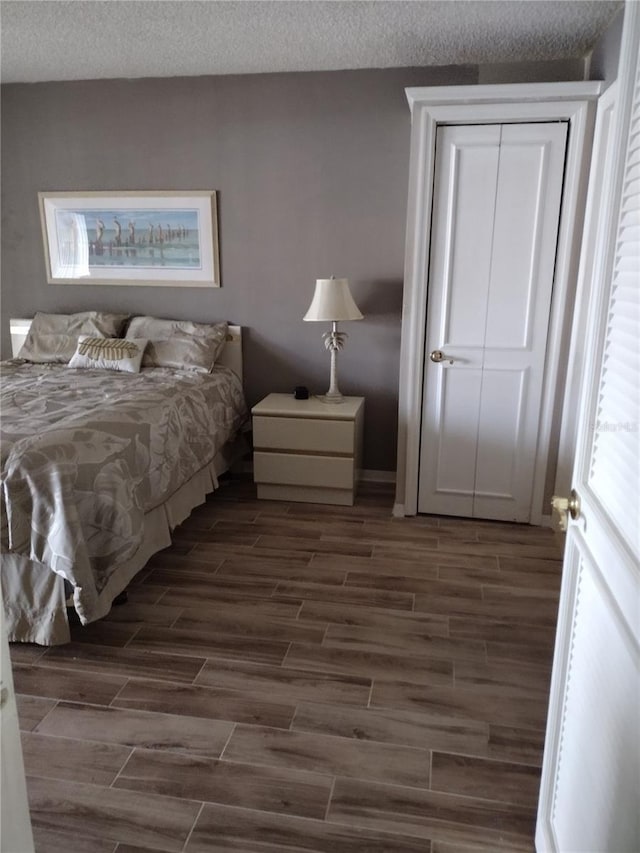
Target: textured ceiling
{"x": 88, "y": 39}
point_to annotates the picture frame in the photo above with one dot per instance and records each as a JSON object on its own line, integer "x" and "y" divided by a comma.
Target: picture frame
{"x": 161, "y": 239}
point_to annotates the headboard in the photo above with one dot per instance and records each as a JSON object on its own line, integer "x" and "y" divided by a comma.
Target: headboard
{"x": 231, "y": 354}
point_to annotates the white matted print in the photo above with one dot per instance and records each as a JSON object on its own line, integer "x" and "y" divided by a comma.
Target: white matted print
{"x": 134, "y": 238}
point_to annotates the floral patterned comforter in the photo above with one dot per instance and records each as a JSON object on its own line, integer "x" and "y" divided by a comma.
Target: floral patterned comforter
{"x": 86, "y": 453}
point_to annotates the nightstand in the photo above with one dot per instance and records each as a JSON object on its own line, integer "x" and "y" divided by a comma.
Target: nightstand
{"x": 307, "y": 450}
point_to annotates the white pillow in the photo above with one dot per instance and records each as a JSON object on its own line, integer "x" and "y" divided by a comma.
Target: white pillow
{"x": 120, "y": 354}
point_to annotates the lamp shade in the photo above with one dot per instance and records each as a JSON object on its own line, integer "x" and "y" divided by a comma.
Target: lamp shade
{"x": 332, "y": 301}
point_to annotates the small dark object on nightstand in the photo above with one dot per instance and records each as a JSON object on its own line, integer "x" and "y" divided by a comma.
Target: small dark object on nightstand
{"x": 301, "y": 392}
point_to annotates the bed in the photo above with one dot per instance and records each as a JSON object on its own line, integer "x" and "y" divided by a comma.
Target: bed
{"x": 99, "y": 466}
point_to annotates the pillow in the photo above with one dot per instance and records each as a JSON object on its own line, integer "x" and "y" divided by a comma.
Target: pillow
{"x": 179, "y": 343}
{"x": 120, "y": 354}
{"x": 54, "y": 337}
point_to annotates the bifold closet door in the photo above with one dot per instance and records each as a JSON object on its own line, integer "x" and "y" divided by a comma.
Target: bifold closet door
{"x": 496, "y": 208}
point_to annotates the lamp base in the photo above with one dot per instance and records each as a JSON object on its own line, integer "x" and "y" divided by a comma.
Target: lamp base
{"x": 333, "y": 341}
{"x": 331, "y": 398}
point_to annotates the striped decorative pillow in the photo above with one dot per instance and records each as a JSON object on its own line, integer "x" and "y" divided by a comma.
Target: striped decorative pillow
{"x": 120, "y": 354}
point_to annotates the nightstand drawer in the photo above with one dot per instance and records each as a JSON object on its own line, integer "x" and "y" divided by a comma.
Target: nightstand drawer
{"x": 296, "y": 469}
{"x": 321, "y": 436}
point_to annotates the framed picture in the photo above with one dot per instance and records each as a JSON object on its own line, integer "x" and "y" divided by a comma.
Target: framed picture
{"x": 138, "y": 238}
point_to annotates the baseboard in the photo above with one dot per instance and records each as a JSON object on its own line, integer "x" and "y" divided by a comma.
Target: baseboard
{"x": 398, "y": 511}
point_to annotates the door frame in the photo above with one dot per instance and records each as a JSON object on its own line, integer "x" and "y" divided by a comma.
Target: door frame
{"x": 601, "y": 190}
{"x": 574, "y": 102}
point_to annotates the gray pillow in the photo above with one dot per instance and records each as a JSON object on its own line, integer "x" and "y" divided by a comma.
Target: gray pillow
{"x": 54, "y": 337}
{"x": 179, "y": 343}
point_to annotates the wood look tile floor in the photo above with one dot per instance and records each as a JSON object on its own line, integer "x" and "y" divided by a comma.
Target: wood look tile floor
{"x": 296, "y": 677}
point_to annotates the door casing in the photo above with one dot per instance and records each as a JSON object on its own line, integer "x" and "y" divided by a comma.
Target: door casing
{"x": 497, "y": 104}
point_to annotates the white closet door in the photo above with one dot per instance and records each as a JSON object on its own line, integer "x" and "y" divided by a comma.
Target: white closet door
{"x": 497, "y": 198}
{"x": 525, "y": 233}
{"x": 590, "y": 789}
{"x": 461, "y": 233}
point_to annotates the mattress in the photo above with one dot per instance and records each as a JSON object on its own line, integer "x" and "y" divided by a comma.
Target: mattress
{"x": 89, "y": 458}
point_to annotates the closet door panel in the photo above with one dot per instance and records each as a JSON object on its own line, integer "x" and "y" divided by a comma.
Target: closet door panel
{"x": 460, "y": 268}
{"x": 462, "y": 227}
{"x": 525, "y": 234}
{"x": 500, "y": 435}
{"x": 453, "y": 450}
{"x": 528, "y": 199}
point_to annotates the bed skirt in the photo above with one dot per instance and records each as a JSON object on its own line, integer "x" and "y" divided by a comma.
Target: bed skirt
{"x": 34, "y": 597}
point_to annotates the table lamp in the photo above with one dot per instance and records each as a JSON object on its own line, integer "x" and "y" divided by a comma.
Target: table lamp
{"x": 332, "y": 302}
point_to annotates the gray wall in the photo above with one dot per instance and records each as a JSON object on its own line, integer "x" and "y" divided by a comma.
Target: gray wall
{"x": 312, "y": 173}
{"x": 603, "y": 63}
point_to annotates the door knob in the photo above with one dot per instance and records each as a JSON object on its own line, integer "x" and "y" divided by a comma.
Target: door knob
{"x": 437, "y": 356}
{"x": 565, "y": 507}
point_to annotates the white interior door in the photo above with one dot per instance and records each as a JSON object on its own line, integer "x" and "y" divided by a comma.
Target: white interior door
{"x": 15, "y": 824}
{"x": 590, "y": 789}
{"x": 497, "y": 196}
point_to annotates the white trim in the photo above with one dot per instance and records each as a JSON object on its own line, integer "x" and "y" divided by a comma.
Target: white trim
{"x": 15, "y": 825}
{"x": 572, "y": 102}
{"x": 502, "y": 93}
{"x": 601, "y": 193}
{"x": 564, "y": 289}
